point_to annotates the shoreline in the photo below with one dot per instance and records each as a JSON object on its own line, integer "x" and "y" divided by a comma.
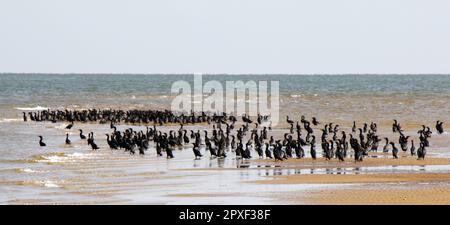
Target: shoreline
{"x": 384, "y": 160}
{"x": 434, "y": 194}
{"x": 370, "y": 187}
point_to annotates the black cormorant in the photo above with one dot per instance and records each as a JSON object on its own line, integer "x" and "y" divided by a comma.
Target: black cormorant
{"x": 41, "y": 143}
{"x": 68, "y": 142}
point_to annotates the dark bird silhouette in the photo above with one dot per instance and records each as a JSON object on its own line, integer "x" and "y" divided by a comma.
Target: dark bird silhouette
{"x": 288, "y": 120}
{"x": 268, "y": 152}
{"x": 90, "y": 138}
{"x": 68, "y": 142}
{"x": 277, "y": 152}
{"x": 313, "y": 147}
{"x": 396, "y": 127}
{"x": 212, "y": 150}
{"x": 111, "y": 142}
{"x": 246, "y": 119}
{"x": 413, "y": 148}
{"x": 82, "y": 137}
{"x": 259, "y": 150}
{"x": 439, "y": 127}
{"x": 421, "y": 152}
{"x": 403, "y": 142}
{"x": 112, "y": 126}
{"x": 196, "y": 150}
{"x": 94, "y": 146}
{"x": 394, "y": 150}
{"x": 41, "y": 143}
{"x": 69, "y": 126}
{"x": 185, "y": 137}
{"x": 386, "y": 147}
{"x": 315, "y": 122}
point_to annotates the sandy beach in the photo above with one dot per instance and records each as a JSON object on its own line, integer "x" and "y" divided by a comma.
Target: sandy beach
{"x": 358, "y": 178}
{"x": 384, "y": 160}
{"x": 376, "y": 195}
{"x": 412, "y": 187}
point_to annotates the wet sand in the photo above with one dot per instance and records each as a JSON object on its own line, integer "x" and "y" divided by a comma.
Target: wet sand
{"x": 380, "y": 160}
{"x": 77, "y": 175}
{"x": 369, "y": 188}
{"x": 358, "y": 178}
{"x": 382, "y": 195}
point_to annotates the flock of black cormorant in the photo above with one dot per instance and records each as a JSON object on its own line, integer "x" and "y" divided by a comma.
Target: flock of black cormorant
{"x": 227, "y": 137}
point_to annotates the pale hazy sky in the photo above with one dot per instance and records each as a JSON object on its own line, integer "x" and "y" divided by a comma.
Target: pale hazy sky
{"x": 225, "y": 36}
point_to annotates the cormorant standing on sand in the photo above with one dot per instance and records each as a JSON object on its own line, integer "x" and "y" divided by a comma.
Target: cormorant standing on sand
{"x": 439, "y": 127}
{"x": 196, "y": 150}
{"x": 41, "y": 143}
{"x": 168, "y": 148}
{"x": 421, "y": 152}
{"x": 313, "y": 147}
{"x": 268, "y": 153}
{"x": 386, "y": 147}
{"x": 394, "y": 150}
{"x": 94, "y": 146}
{"x": 68, "y": 142}
{"x": 315, "y": 122}
{"x": 413, "y": 148}
{"x": 82, "y": 135}
{"x": 277, "y": 152}
{"x": 289, "y": 121}
{"x": 185, "y": 137}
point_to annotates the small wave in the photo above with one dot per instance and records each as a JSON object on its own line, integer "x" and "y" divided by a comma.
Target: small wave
{"x": 296, "y": 96}
{"x": 51, "y": 157}
{"x": 79, "y": 155}
{"x": 18, "y": 161}
{"x": 37, "y": 108}
{"x": 6, "y": 120}
{"x": 45, "y": 183}
{"x": 49, "y": 183}
{"x": 26, "y": 170}
{"x": 62, "y": 157}
{"x": 61, "y": 126}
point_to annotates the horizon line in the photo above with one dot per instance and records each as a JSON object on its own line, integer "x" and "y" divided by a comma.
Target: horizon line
{"x": 231, "y": 74}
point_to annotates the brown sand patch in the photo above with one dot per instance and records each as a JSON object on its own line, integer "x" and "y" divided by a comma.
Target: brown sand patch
{"x": 357, "y": 178}
{"x": 435, "y": 195}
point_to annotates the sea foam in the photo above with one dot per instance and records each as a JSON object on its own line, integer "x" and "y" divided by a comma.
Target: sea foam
{"x": 37, "y": 108}
{"x": 6, "y": 120}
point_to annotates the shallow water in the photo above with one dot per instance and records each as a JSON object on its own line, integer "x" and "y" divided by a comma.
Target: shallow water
{"x": 58, "y": 174}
